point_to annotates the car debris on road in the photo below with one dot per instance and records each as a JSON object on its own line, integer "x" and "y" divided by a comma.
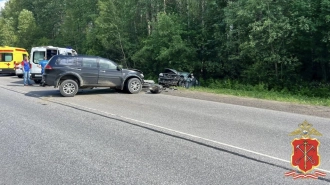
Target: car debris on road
{"x": 151, "y": 86}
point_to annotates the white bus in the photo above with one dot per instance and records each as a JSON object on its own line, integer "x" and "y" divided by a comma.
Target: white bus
{"x": 38, "y": 54}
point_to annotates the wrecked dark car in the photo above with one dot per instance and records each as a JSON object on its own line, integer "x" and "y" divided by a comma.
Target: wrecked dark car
{"x": 191, "y": 81}
{"x": 172, "y": 77}
{"x": 184, "y": 79}
{"x": 169, "y": 77}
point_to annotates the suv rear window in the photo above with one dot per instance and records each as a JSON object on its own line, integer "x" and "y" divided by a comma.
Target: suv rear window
{"x": 67, "y": 61}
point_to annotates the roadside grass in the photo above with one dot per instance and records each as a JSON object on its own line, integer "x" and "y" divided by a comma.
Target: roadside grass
{"x": 267, "y": 95}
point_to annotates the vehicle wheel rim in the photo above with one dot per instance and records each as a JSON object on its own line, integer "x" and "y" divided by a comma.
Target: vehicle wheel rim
{"x": 69, "y": 88}
{"x": 135, "y": 86}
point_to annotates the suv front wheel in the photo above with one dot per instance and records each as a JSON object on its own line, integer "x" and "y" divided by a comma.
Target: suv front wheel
{"x": 69, "y": 88}
{"x": 134, "y": 86}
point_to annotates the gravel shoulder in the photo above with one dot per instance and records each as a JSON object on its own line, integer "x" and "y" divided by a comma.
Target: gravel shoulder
{"x": 320, "y": 111}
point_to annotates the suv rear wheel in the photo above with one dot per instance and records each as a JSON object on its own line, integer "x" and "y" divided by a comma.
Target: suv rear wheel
{"x": 134, "y": 86}
{"x": 69, "y": 88}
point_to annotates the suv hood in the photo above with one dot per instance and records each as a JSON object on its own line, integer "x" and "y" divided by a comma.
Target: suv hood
{"x": 168, "y": 70}
{"x": 131, "y": 69}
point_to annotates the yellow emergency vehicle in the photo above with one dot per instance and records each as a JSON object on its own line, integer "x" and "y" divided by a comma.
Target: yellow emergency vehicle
{"x": 10, "y": 57}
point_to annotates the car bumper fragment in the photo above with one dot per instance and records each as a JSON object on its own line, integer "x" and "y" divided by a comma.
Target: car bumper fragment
{"x": 150, "y": 85}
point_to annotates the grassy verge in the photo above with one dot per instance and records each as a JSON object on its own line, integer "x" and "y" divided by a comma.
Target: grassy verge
{"x": 267, "y": 95}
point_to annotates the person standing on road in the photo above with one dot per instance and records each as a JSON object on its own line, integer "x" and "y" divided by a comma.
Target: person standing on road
{"x": 26, "y": 71}
{"x": 42, "y": 65}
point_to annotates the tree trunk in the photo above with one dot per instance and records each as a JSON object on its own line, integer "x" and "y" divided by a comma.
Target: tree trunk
{"x": 148, "y": 23}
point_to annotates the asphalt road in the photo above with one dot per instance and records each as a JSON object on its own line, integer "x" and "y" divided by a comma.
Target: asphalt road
{"x": 104, "y": 137}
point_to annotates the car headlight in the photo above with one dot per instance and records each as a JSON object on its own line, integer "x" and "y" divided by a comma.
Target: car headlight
{"x": 161, "y": 74}
{"x": 142, "y": 75}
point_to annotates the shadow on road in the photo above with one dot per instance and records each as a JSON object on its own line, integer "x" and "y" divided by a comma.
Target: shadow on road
{"x": 17, "y": 85}
{"x": 6, "y": 75}
{"x": 82, "y": 92}
{"x": 43, "y": 93}
{"x": 97, "y": 91}
{"x": 20, "y": 82}
{"x": 11, "y": 76}
{"x": 148, "y": 92}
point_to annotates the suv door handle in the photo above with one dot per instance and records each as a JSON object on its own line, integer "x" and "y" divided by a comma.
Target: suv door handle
{"x": 78, "y": 69}
{"x": 102, "y": 71}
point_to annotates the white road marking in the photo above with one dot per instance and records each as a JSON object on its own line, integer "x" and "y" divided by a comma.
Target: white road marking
{"x": 190, "y": 135}
{"x": 216, "y": 142}
{"x": 171, "y": 130}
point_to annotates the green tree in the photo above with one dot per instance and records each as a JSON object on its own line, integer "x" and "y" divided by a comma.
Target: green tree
{"x": 264, "y": 31}
{"x": 26, "y": 29}
{"x": 77, "y": 22}
{"x": 110, "y": 27}
{"x": 8, "y": 35}
{"x": 165, "y": 47}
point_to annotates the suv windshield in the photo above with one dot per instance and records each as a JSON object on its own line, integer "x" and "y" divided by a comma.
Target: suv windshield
{"x": 185, "y": 74}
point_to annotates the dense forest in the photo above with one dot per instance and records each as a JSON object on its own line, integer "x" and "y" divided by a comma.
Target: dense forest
{"x": 282, "y": 44}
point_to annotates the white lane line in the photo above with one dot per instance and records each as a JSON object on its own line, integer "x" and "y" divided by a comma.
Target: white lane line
{"x": 179, "y": 132}
{"x": 190, "y": 135}
{"x": 217, "y": 142}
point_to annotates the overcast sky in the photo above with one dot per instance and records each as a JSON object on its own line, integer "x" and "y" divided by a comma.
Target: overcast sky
{"x": 2, "y": 3}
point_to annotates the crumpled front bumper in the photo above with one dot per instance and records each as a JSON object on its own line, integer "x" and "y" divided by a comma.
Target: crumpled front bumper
{"x": 147, "y": 84}
{"x": 150, "y": 85}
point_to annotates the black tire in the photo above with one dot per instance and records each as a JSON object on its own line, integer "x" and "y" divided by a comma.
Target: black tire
{"x": 20, "y": 76}
{"x": 69, "y": 88}
{"x": 182, "y": 84}
{"x": 37, "y": 81}
{"x": 133, "y": 86}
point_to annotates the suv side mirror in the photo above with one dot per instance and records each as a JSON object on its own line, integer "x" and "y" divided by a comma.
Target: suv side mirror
{"x": 119, "y": 67}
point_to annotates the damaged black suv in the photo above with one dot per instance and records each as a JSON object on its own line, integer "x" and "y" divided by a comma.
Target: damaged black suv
{"x": 71, "y": 73}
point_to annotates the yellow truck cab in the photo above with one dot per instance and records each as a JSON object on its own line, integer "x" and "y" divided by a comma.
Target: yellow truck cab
{"x": 10, "y": 57}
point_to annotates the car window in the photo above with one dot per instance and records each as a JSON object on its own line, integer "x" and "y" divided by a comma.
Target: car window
{"x": 38, "y": 56}
{"x": 185, "y": 74}
{"x": 24, "y": 55}
{"x": 107, "y": 64}
{"x": 89, "y": 62}
{"x": 79, "y": 61}
{"x": 51, "y": 53}
{"x": 66, "y": 61}
{"x": 6, "y": 57}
